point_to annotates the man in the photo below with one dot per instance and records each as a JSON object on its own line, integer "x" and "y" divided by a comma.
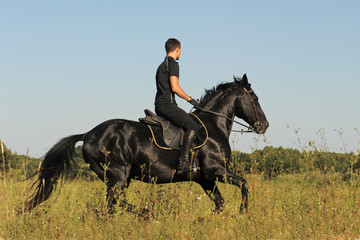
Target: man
{"x": 167, "y": 84}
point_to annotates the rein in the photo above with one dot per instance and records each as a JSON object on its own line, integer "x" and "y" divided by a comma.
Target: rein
{"x": 250, "y": 128}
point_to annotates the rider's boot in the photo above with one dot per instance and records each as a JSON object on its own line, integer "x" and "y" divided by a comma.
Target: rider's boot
{"x": 184, "y": 159}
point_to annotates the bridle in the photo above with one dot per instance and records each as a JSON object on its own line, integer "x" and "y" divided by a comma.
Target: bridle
{"x": 257, "y": 125}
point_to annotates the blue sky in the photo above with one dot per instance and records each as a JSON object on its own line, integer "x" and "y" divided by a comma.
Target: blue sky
{"x": 67, "y": 66}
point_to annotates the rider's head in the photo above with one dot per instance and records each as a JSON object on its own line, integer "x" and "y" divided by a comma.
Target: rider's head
{"x": 173, "y": 48}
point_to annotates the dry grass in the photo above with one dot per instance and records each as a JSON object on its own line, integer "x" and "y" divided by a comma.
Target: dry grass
{"x": 305, "y": 206}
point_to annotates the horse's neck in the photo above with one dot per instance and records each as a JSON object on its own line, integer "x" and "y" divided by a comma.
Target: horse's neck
{"x": 224, "y": 108}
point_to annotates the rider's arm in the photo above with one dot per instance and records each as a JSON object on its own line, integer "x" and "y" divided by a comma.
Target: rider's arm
{"x": 175, "y": 87}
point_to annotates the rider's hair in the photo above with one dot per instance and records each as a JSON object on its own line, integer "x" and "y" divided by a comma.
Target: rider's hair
{"x": 171, "y": 44}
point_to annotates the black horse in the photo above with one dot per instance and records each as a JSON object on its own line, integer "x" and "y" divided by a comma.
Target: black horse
{"x": 120, "y": 150}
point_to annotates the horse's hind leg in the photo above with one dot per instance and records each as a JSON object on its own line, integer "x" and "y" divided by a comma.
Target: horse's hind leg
{"x": 214, "y": 194}
{"x": 115, "y": 188}
{"x": 114, "y": 192}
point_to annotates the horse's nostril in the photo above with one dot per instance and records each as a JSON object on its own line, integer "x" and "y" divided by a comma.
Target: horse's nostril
{"x": 257, "y": 126}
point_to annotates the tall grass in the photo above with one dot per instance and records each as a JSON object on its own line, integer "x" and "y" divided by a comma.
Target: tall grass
{"x": 316, "y": 205}
{"x": 311, "y": 204}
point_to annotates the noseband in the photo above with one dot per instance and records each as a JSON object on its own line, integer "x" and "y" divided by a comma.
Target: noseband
{"x": 257, "y": 125}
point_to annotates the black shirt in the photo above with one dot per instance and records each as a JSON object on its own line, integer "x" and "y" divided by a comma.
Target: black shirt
{"x": 169, "y": 67}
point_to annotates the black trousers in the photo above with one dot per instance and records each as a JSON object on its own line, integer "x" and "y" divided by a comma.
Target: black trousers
{"x": 176, "y": 115}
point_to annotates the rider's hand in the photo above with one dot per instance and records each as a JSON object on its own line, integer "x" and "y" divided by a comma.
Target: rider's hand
{"x": 194, "y": 103}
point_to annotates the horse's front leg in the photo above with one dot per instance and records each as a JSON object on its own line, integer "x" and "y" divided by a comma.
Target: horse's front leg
{"x": 225, "y": 175}
{"x": 214, "y": 194}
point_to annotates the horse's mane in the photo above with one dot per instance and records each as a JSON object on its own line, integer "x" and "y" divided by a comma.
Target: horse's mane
{"x": 211, "y": 93}
{"x": 222, "y": 87}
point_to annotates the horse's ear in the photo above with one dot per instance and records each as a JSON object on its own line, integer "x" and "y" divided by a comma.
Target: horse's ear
{"x": 236, "y": 79}
{"x": 244, "y": 79}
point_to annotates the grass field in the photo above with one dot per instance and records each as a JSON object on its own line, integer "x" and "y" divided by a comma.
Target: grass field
{"x": 310, "y": 205}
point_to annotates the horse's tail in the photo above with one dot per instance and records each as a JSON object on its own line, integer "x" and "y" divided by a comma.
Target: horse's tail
{"x": 57, "y": 161}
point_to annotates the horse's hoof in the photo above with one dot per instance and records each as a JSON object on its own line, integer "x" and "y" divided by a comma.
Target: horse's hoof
{"x": 243, "y": 210}
{"x": 217, "y": 211}
{"x": 144, "y": 213}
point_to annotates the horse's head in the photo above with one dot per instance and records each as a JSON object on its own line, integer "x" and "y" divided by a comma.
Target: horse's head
{"x": 247, "y": 106}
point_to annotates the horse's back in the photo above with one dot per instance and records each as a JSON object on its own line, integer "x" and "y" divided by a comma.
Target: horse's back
{"x": 126, "y": 144}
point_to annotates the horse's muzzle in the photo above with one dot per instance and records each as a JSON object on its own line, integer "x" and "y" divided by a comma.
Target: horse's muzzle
{"x": 260, "y": 129}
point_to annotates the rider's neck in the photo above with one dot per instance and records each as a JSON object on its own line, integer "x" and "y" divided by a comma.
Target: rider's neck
{"x": 175, "y": 54}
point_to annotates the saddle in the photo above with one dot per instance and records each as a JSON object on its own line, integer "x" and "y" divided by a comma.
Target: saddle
{"x": 166, "y": 135}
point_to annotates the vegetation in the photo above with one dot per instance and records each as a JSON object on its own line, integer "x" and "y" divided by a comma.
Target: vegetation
{"x": 270, "y": 161}
{"x": 20, "y": 166}
{"x": 273, "y": 161}
{"x": 293, "y": 195}
{"x": 23, "y": 167}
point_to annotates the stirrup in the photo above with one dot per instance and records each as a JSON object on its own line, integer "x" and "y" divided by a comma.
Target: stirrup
{"x": 192, "y": 170}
